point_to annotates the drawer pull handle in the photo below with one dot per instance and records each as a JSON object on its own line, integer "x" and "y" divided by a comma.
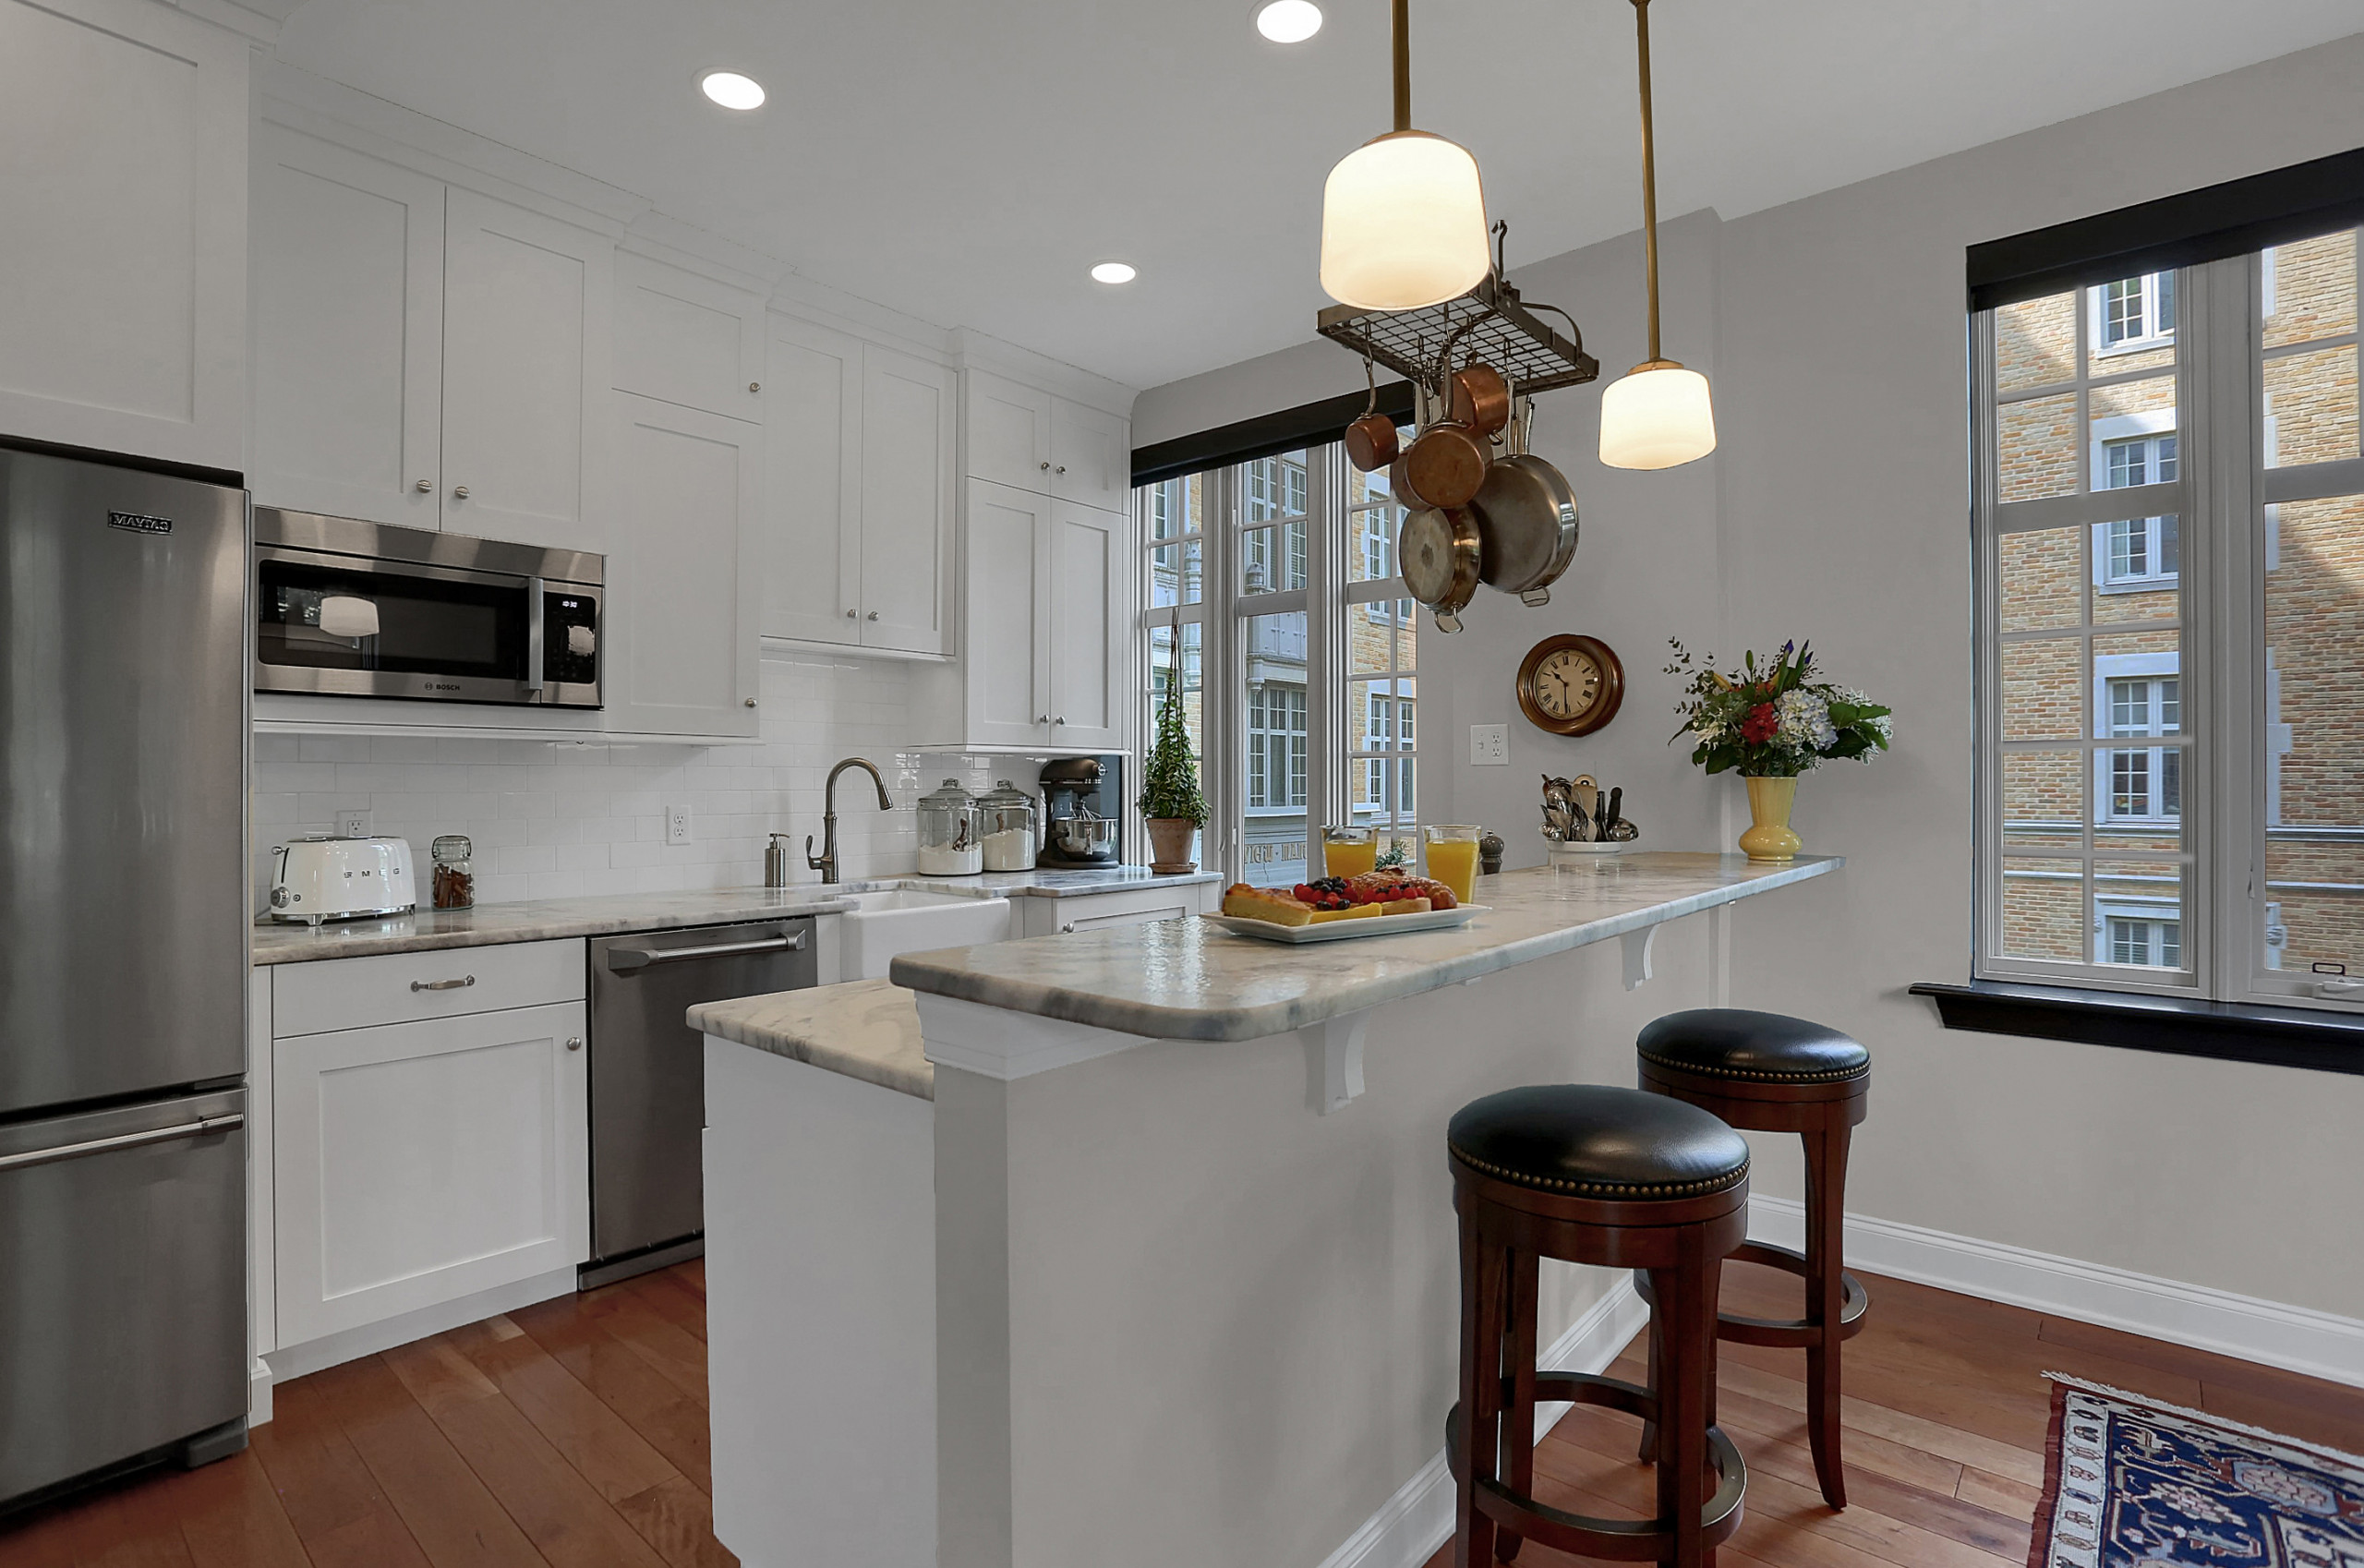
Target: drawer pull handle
{"x": 197, "y": 1129}
{"x": 623, "y": 961}
{"x": 460, "y": 984}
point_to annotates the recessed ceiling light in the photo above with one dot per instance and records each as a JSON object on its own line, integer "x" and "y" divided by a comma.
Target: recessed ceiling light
{"x": 1288, "y": 22}
{"x": 1113, "y": 272}
{"x": 735, "y": 91}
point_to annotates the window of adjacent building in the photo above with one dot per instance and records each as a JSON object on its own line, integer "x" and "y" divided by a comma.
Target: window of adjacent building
{"x": 1301, "y": 648}
{"x": 2169, "y": 791}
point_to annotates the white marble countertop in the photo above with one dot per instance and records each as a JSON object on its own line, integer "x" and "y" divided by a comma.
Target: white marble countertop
{"x": 1193, "y": 980}
{"x": 541, "y": 920}
{"x": 864, "y": 1028}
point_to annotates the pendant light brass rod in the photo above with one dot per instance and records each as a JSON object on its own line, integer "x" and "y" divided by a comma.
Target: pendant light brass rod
{"x": 1402, "y": 64}
{"x": 1649, "y": 170}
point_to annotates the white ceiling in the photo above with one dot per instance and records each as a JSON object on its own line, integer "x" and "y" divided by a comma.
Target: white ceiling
{"x": 966, "y": 162}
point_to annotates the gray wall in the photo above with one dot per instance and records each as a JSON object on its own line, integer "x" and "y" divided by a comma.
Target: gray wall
{"x": 1835, "y": 509}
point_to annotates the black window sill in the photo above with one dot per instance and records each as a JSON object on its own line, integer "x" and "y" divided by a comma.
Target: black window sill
{"x": 2235, "y": 1031}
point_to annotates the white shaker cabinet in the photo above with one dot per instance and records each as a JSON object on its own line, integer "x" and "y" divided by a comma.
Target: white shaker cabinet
{"x": 526, "y": 341}
{"x": 1089, "y": 613}
{"x": 1091, "y": 457}
{"x": 122, "y": 229}
{"x": 1037, "y": 440}
{"x": 416, "y": 1164}
{"x": 858, "y": 530}
{"x": 683, "y": 338}
{"x": 349, "y": 333}
{"x": 684, "y": 581}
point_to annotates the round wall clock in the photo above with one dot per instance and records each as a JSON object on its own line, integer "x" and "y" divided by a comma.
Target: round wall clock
{"x": 1571, "y": 685}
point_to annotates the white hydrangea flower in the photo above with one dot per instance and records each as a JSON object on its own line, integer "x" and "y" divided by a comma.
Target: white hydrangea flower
{"x": 1805, "y": 722}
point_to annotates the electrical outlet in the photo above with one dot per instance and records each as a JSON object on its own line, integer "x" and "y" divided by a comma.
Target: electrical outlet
{"x": 353, "y": 824}
{"x": 677, "y": 825}
{"x": 1489, "y": 745}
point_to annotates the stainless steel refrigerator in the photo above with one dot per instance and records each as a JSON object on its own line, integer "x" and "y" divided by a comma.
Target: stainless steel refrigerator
{"x": 123, "y": 968}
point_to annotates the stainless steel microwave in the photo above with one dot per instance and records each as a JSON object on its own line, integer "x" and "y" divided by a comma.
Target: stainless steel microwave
{"x": 344, "y": 608}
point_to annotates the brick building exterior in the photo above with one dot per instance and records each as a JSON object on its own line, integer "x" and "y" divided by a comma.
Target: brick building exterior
{"x": 2086, "y": 391}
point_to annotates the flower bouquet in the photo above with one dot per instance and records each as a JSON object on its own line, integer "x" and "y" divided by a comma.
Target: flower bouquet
{"x": 1772, "y": 720}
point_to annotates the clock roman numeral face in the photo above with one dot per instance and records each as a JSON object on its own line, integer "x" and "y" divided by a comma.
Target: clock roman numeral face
{"x": 1567, "y": 683}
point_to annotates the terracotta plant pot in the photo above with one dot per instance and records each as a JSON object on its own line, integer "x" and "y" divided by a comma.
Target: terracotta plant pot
{"x": 1169, "y": 844}
{"x": 1768, "y": 837}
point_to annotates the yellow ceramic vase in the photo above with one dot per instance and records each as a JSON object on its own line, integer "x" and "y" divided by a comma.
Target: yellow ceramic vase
{"x": 1768, "y": 837}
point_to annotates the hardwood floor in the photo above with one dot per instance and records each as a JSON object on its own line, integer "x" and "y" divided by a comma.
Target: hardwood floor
{"x": 570, "y": 1433}
{"x": 1946, "y": 1411}
{"x": 574, "y": 1433}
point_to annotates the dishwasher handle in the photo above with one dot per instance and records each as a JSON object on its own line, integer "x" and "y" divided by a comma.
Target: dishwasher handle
{"x": 625, "y": 960}
{"x": 197, "y": 1129}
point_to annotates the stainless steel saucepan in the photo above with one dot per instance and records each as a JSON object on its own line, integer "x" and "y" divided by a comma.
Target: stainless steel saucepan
{"x": 1438, "y": 550}
{"x": 1525, "y": 514}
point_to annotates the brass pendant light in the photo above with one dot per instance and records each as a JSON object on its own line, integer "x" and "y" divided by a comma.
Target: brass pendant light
{"x": 1404, "y": 215}
{"x": 1658, "y": 414}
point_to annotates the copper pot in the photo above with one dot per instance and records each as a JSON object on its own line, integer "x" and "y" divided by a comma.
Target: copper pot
{"x": 1477, "y": 397}
{"x": 1371, "y": 442}
{"x": 1443, "y": 467}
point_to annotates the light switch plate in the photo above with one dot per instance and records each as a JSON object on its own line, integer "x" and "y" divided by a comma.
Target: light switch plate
{"x": 353, "y": 824}
{"x": 677, "y": 825}
{"x": 1489, "y": 745}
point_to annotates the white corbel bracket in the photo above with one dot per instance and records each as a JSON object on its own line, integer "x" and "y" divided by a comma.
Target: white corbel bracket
{"x": 1333, "y": 1061}
{"x": 1637, "y": 954}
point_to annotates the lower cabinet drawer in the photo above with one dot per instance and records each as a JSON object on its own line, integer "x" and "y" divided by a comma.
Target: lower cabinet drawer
{"x": 1046, "y": 917}
{"x": 310, "y": 998}
{"x": 418, "y": 1163}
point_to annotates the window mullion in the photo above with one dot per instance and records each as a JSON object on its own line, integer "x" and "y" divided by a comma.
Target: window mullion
{"x": 2228, "y": 382}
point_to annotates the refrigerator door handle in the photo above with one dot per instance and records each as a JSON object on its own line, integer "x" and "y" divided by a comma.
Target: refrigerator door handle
{"x": 197, "y": 1129}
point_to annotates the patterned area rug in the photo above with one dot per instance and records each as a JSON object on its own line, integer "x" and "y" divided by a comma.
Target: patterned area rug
{"x": 2128, "y": 1481}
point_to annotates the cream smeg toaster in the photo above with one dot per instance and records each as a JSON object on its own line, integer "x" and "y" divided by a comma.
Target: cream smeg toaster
{"x": 321, "y": 876}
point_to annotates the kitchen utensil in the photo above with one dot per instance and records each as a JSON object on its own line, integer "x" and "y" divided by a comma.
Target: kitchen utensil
{"x": 1085, "y": 837}
{"x": 1438, "y": 552}
{"x": 1476, "y": 396}
{"x": 1370, "y": 441}
{"x": 1082, "y": 789}
{"x": 1587, "y": 797}
{"x": 1526, "y": 520}
{"x": 1609, "y": 818}
{"x": 321, "y": 876}
{"x": 1443, "y": 467}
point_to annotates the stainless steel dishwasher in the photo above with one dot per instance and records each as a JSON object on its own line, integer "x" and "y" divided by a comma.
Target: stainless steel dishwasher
{"x": 648, "y": 1077}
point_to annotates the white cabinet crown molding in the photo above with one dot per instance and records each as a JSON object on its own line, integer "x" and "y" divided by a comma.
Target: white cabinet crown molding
{"x": 976, "y": 350}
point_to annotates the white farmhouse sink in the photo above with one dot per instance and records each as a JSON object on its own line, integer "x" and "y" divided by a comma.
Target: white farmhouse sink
{"x": 909, "y": 920}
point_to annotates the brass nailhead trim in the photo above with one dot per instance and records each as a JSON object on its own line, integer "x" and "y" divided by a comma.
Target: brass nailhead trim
{"x": 1837, "y": 1076}
{"x": 1607, "y": 1189}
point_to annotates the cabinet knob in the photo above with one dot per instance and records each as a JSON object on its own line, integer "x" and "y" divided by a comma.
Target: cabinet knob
{"x": 1061, "y": 719}
{"x": 1043, "y": 719}
{"x": 754, "y": 386}
{"x": 851, "y": 614}
{"x": 426, "y": 486}
{"x": 1060, "y": 469}
{"x": 873, "y": 615}
{"x": 574, "y": 1042}
{"x": 1067, "y": 930}
{"x": 750, "y": 702}
{"x": 1046, "y": 465}
{"x": 461, "y": 491}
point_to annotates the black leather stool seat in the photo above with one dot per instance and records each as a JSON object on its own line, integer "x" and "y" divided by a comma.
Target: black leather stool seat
{"x": 1593, "y": 1140}
{"x": 1759, "y": 1047}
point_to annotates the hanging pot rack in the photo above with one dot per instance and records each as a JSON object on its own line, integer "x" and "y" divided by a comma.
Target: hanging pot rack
{"x": 1490, "y": 324}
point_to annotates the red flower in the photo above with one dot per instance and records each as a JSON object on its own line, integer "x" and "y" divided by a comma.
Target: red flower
{"x": 1759, "y": 726}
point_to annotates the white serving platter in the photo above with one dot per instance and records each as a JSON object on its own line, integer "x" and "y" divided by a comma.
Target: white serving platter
{"x": 1347, "y": 930}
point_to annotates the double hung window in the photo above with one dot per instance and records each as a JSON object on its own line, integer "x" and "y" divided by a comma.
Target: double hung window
{"x": 2170, "y": 500}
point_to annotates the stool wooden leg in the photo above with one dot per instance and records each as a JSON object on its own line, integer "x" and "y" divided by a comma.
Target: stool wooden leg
{"x": 1482, "y": 1394}
{"x": 1656, "y": 1353}
{"x": 1687, "y": 1313}
{"x": 1518, "y": 1416}
{"x": 1826, "y": 1255}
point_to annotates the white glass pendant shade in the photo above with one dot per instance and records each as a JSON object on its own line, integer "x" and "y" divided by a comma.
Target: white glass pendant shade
{"x": 1657, "y": 416}
{"x": 1403, "y": 224}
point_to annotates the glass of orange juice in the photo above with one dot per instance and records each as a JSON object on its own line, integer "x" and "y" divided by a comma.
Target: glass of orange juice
{"x": 1453, "y": 856}
{"x": 1349, "y": 851}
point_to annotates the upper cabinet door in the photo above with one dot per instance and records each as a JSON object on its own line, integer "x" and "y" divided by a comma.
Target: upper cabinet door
{"x": 1008, "y": 652}
{"x": 123, "y": 230}
{"x": 348, "y": 332}
{"x": 1089, "y": 612}
{"x": 1092, "y": 457}
{"x": 812, "y": 526}
{"x": 526, "y": 374}
{"x": 684, "y": 588}
{"x": 1010, "y": 433}
{"x": 907, "y": 444}
{"x": 686, "y": 339}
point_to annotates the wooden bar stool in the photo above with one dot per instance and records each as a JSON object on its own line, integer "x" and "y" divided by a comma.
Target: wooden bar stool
{"x": 1771, "y": 1073}
{"x": 1623, "y": 1179}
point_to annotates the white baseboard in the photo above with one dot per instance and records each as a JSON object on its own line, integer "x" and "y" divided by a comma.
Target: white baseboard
{"x": 350, "y": 1345}
{"x": 258, "y": 1393}
{"x": 2298, "y": 1339}
{"x": 1410, "y": 1526}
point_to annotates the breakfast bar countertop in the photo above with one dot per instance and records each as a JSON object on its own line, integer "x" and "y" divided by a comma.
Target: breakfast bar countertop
{"x": 1193, "y": 980}
{"x": 864, "y": 1028}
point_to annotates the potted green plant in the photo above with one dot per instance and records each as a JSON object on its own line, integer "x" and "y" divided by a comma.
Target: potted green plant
{"x": 1772, "y": 720}
{"x": 1172, "y": 806}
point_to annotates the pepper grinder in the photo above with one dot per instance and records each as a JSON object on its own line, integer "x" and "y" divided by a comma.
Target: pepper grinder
{"x": 1490, "y": 854}
{"x": 776, "y": 861}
